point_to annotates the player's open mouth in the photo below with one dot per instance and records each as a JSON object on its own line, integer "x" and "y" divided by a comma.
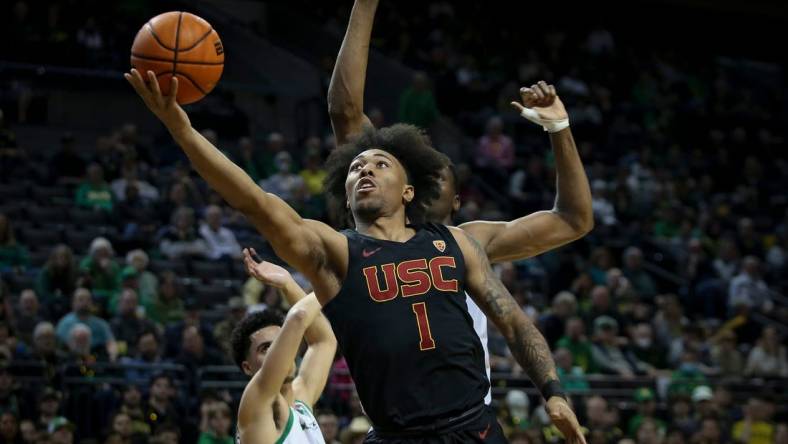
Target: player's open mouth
{"x": 365, "y": 185}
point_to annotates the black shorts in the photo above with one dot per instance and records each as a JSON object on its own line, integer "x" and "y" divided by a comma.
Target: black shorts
{"x": 482, "y": 427}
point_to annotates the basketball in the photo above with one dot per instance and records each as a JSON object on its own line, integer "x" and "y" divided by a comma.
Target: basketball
{"x": 183, "y": 45}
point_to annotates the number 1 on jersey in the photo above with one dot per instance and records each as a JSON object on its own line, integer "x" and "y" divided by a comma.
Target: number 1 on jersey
{"x": 423, "y": 322}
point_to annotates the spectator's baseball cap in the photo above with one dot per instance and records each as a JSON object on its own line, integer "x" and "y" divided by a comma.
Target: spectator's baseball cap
{"x": 605, "y": 323}
{"x": 49, "y": 394}
{"x": 58, "y": 423}
{"x": 644, "y": 394}
{"x": 702, "y": 393}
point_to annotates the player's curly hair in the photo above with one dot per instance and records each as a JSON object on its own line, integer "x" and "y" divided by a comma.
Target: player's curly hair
{"x": 240, "y": 339}
{"x": 412, "y": 148}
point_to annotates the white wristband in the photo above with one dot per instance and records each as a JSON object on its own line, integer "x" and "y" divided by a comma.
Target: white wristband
{"x": 551, "y": 126}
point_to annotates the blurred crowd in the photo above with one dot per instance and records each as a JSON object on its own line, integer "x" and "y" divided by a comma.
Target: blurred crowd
{"x": 121, "y": 279}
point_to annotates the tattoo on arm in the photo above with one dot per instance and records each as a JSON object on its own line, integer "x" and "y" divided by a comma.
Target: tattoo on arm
{"x": 525, "y": 341}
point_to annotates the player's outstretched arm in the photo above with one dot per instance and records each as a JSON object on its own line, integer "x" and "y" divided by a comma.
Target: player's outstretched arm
{"x": 525, "y": 341}
{"x": 571, "y": 217}
{"x": 300, "y": 242}
{"x": 346, "y": 91}
{"x": 255, "y": 421}
{"x": 319, "y": 356}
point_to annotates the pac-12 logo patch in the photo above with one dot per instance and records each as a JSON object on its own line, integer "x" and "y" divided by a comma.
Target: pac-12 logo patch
{"x": 440, "y": 245}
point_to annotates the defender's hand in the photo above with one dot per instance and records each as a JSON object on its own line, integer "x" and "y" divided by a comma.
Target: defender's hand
{"x": 166, "y": 108}
{"x": 541, "y": 105}
{"x": 565, "y": 420}
{"x": 266, "y": 272}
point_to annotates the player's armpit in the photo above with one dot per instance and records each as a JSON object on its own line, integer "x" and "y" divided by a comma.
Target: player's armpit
{"x": 525, "y": 341}
{"x": 524, "y": 237}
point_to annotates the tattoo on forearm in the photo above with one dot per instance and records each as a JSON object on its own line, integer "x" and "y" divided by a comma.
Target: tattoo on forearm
{"x": 526, "y": 342}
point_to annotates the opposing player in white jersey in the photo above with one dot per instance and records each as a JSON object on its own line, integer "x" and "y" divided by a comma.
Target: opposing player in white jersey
{"x": 276, "y": 406}
{"x": 570, "y": 218}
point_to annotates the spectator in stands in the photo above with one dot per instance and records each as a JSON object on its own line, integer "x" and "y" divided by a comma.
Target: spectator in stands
{"x": 748, "y": 287}
{"x": 45, "y": 344}
{"x": 161, "y": 409}
{"x": 495, "y": 151}
{"x": 182, "y": 194}
{"x": 727, "y": 261}
{"x": 514, "y": 414}
{"x": 572, "y": 377}
{"x": 529, "y": 185}
{"x": 10, "y": 347}
{"x": 725, "y": 356}
{"x": 128, "y": 324}
{"x": 167, "y": 433}
{"x": 768, "y": 358}
{"x": 641, "y": 281}
{"x": 194, "y": 353}
{"x": 147, "y": 351}
{"x": 553, "y": 323}
{"x": 61, "y": 431}
{"x": 130, "y": 176}
{"x": 356, "y": 431}
{"x": 284, "y": 183}
{"x": 600, "y": 418}
{"x": 609, "y": 357}
{"x": 313, "y": 176}
{"x": 219, "y": 424}
{"x": 13, "y": 255}
{"x": 275, "y": 144}
{"x": 577, "y": 343}
{"x": 600, "y": 305}
{"x": 417, "y": 104}
{"x": 646, "y": 348}
{"x": 90, "y": 38}
{"x": 122, "y": 426}
{"x": 691, "y": 339}
{"x": 646, "y": 410}
{"x": 601, "y": 262}
{"x": 179, "y": 240}
{"x": 28, "y": 315}
{"x": 70, "y": 166}
{"x": 101, "y": 334}
{"x": 30, "y": 434}
{"x": 192, "y": 318}
{"x": 94, "y": 193}
{"x": 131, "y": 405}
{"x": 604, "y": 210}
{"x": 221, "y": 241}
{"x": 49, "y": 403}
{"x": 9, "y": 428}
{"x": 329, "y": 426}
{"x": 756, "y": 427}
{"x": 648, "y": 432}
{"x": 147, "y": 282}
{"x": 80, "y": 353}
{"x": 710, "y": 432}
{"x": 249, "y": 159}
{"x": 669, "y": 320}
{"x": 168, "y": 305}
{"x": 102, "y": 270}
{"x": 223, "y": 330}
{"x": 137, "y": 219}
{"x": 688, "y": 375}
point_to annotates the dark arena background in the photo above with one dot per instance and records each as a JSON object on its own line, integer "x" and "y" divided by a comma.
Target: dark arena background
{"x": 667, "y": 321}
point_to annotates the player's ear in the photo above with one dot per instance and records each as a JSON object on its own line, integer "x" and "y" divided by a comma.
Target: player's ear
{"x": 408, "y": 193}
{"x": 455, "y": 204}
{"x": 347, "y": 204}
{"x": 247, "y": 368}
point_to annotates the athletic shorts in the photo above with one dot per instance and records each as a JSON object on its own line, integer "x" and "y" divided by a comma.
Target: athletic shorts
{"x": 482, "y": 427}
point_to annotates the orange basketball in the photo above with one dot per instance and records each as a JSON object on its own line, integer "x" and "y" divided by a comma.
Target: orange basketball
{"x": 183, "y": 45}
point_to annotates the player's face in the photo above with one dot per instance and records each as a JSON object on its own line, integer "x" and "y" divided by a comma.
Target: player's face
{"x": 376, "y": 184}
{"x": 441, "y": 210}
{"x": 258, "y": 349}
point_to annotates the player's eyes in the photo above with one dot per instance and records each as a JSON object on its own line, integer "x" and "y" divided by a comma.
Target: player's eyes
{"x": 355, "y": 167}
{"x": 382, "y": 164}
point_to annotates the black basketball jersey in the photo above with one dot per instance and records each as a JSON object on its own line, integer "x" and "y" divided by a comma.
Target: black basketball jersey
{"x": 403, "y": 325}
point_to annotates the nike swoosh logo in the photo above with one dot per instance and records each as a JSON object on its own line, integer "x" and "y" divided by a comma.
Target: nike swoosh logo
{"x": 366, "y": 253}
{"x": 483, "y": 435}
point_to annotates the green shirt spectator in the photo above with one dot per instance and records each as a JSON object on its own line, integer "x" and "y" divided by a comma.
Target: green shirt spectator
{"x": 576, "y": 342}
{"x": 95, "y": 193}
{"x": 572, "y": 377}
{"x": 57, "y": 280}
{"x": 646, "y": 407}
{"x": 417, "y": 104}
{"x": 101, "y": 268}
{"x": 168, "y": 306}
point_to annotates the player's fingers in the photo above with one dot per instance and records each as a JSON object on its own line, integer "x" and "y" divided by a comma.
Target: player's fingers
{"x": 173, "y": 89}
{"x": 519, "y": 107}
{"x": 137, "y": 83}
{"x": 537, "y": 92}
{"x": 154, "y": 85}
{"x": 255, "y": 256}
{"x": 552, "y": 90}
{"x": 527, "y": 95}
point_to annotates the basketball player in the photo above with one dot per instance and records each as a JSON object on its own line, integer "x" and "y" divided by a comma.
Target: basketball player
{"x": 276, "y": 405}
{"x": 525, "y": 237}
{"x": 393, "y": 288}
